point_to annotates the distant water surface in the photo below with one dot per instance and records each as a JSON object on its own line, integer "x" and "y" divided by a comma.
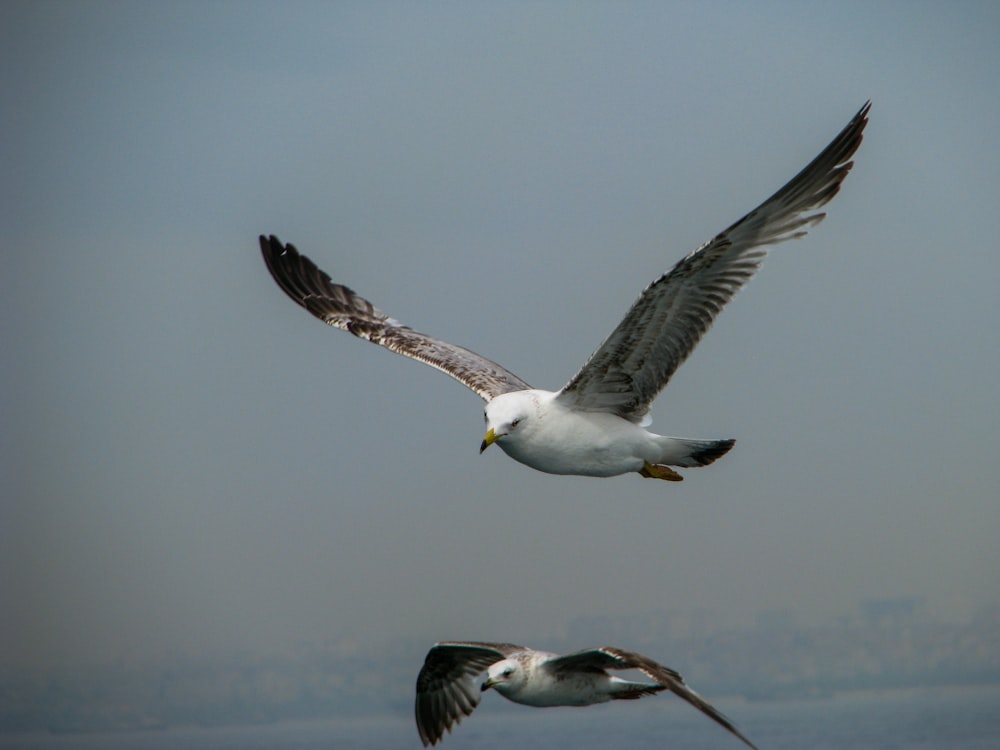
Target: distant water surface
{"x": 946, "y": 719}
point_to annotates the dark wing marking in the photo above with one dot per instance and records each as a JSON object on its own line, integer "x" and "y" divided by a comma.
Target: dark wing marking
{"x": 445, "y": 690}
{"x": 671, "y": 315}
{"x": 340, "y": 307}
{"x": 609, "y": 657}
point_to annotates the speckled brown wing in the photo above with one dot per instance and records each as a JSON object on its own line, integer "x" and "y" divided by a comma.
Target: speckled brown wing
{"x": 445, "y": 690}
{"x": 611, "y": 657}
{"x": 671, "y": 315}
{"x": 341, "y": 307}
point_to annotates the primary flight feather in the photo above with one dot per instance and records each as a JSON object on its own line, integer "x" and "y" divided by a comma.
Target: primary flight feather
{"x": 592, "y": 426}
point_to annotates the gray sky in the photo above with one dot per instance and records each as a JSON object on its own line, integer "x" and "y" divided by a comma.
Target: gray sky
{"x": 191, "y": 462}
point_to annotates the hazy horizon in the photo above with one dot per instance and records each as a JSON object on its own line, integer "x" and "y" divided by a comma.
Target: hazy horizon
{"x": 191, "y": 462}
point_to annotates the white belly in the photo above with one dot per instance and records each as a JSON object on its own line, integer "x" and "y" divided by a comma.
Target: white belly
{"x": 588, "y": 444}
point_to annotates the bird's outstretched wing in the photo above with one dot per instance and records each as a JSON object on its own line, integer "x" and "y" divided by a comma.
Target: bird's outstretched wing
{"x": 671, "y": 315}
{"x": 610, "y": 657}
{"x": 340, "y": 307}
{"x": 445, "y": 690}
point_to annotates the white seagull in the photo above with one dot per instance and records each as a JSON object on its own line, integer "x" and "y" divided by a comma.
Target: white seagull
{"x": 594, "y": 425}
{"x": 447, "y": 689}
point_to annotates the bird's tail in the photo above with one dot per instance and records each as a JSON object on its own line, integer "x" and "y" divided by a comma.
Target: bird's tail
{"x": 691, "y": 453}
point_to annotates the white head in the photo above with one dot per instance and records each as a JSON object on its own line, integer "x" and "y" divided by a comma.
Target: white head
{"x": 508, "y": 414}
{"x": 507, "y": 676}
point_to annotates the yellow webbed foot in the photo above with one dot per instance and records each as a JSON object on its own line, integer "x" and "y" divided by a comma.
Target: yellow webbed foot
{"x": 660, "y": 471}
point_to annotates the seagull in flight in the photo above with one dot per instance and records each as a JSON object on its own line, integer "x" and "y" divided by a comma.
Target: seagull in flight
{"x": 447, "y": 688}
{"x": 595, "y": 424}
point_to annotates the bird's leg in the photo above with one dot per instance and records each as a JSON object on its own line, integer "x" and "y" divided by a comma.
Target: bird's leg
{"x": 659, "y": 471}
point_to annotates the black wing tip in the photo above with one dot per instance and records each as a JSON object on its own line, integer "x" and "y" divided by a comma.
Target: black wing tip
{"x": 429, "y": 734}
{"x": 295, "y": 274}
{"x": 276, "y": 253}
{"x": 270, "y": 244}
{"x": 853, "y": 134}
{"x": 427, "y": 737}
{"x": 860, "y": 120}
{"x": 844, "y": 147}
{"x": 285, "y": 253}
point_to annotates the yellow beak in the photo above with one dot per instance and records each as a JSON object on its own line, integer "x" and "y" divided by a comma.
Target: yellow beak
{"x": 491, "y": 437}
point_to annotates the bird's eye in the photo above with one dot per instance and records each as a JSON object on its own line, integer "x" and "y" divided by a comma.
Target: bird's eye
{"x": 515, "y": 423}
{"x": 508, "y": 672}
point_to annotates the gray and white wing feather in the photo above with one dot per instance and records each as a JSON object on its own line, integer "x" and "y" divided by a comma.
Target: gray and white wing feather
{"x": 610, "y": 657}
{"x": 341, "y": 307}
{"x": 671, "y": 315}
{"x": 445, "y": 689}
